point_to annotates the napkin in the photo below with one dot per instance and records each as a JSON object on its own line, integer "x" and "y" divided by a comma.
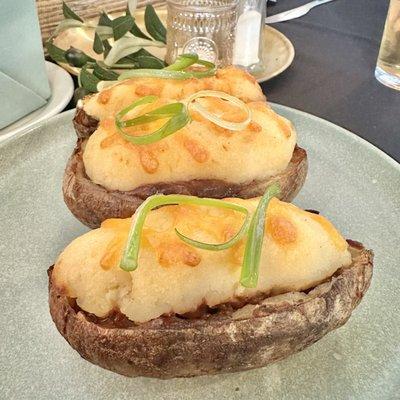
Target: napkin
{"x": 24, "y": 86}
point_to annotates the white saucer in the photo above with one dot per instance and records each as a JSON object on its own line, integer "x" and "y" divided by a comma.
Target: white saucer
{"x": 62, "y": 90}
{"x": 278, "y": 50}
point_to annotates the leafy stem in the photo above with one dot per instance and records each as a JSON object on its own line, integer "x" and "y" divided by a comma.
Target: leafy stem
{"x": 119, "y": 41}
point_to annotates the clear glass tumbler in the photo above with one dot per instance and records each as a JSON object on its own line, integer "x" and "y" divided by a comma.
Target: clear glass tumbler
{"x": 388, "y": 66}
{"x": 205, "y": 27}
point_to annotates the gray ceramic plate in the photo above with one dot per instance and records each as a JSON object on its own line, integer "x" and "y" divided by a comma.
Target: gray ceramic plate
{"x": 351, "y": 182}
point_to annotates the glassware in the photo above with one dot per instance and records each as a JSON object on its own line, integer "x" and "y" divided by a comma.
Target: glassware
{"x": 249, "y": 38}
{"x": 388, "y": 66}
{"x": 205, "y": 27}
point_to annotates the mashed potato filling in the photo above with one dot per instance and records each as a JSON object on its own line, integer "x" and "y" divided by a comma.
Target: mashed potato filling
{"x": 200, "y": 150}
{"x": 300, "y": 250}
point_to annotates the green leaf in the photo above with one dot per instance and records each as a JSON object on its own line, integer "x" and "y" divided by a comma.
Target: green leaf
{"x": 88, "y": 81}
{"x": 105, "y": 20}
{"x": 150, "y": 62}
{"x": 140, "y": 53}
{"x": 123, "y": 62}
{"x": 154, "y": 26}
{"x": 98, "y": 46}
{"x": 56, "y": 54}
{"x": 105, "y": 32}
{"x": 107, "y": 47}
{"x": 135, "y": 29}
{"x": 69, "y": 14}
{"x": 137, "y": 32}
{"x": 66, "y": 24}
{"x": 104, "y": 74}
{"x": 126, "y": 46}
{"x": 144, "y": 59}
{"x": 121, "y": 26}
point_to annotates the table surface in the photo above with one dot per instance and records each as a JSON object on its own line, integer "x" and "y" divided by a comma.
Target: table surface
{"x": 332, "y": 75}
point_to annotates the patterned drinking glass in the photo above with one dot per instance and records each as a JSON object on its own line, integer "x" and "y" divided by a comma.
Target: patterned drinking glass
{"x": 205, "y": 27}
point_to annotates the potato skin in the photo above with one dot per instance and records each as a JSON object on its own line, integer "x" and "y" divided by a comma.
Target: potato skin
{"x": 267, "y": 332}
{"x": 84, "y": 124}
{"x": 92, "y": 203}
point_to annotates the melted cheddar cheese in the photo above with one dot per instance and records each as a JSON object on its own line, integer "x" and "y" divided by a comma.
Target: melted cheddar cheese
{"x": 200, "y": 150}
{"x": 299, "y": 251}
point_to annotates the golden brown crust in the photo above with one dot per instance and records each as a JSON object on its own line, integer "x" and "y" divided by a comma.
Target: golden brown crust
{"x": 250, "y": 337}
{"x": 92, "y": 203}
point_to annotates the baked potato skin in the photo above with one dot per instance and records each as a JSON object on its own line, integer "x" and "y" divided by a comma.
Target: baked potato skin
{"x": 92, "y": 203}
{"x": 267, "y": 332}
{"x": 84, "y": 124}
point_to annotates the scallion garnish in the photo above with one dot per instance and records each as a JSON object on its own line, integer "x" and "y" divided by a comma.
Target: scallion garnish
{"x": 183, "y": 61}
{"x": 175, "y": 70}
{"x": 219, "y": 246}
{"x": 252, "y": 253}
{"x": 233, "y": 126}
{"x": 165, "y": 74}
{"x": 254, "y": 229}
{"x": 129, "y": 261}
{"x": 176, "y": 112}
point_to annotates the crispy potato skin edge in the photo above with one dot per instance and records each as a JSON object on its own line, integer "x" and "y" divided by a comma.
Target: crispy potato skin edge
{"x": 272, "y": 332}
{"x": 92, "y": 203}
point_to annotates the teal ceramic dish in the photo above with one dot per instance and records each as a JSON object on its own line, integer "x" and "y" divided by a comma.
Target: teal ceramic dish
{"x": 351, "y": 182}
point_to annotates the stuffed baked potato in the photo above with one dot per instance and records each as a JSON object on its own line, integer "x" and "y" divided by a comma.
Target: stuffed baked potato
{"x": 108, "y": 176}
{"x": 185, "y": 310}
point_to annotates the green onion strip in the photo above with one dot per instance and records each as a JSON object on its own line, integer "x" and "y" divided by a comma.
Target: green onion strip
{"x": 129, "y": 261}
{"x": 183, "y": 61}
{"x": 233, "y": 126}
{"x": 254, "y": 229}
{"x": 179, "y": 116}
{"x": 255, "y": 236}
{"x": 175, "y": 70}
{"x": 176, "y": 112}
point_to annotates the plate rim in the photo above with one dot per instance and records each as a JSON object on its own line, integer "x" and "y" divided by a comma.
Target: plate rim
{"x": 346, "y": 132}
{"x": 291, "y": 52}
